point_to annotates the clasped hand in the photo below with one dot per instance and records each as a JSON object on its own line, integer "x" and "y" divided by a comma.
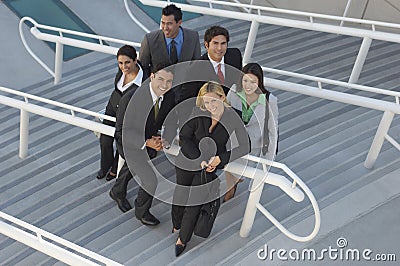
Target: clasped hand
{"x": 157, "y": 143}
{"x": 211, "y": 164}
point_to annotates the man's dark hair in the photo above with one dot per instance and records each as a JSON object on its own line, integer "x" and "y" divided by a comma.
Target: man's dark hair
{"x": 215, "y": 31}
{"x": 172, "y": 10}
{"x": 165, "y": 66}
{"x": 128, "y": 51}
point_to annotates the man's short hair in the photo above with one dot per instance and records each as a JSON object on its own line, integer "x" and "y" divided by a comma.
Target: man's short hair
{"x": 215, "y": 31}
{"x": 172, "y": 10}
{"x": 165, "y": 66}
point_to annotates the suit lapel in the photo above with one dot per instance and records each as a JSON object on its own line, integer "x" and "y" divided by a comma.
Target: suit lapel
{"x": 166, "y": 105}
{"x": 149, "y": 102}
{"x": 211, "y": 72}
{"x": 186, "y": 47}
{"x": 161, "y": 46}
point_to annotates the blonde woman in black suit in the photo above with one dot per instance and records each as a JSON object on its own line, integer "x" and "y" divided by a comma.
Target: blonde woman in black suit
{"x": 212, "y": 122}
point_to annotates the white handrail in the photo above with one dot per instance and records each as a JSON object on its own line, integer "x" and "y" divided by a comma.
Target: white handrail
{"x": 297, "y": 13}
{"x": 37, "y": 241}
{"x": 37, "y": 59}
{"x": 134, "y": 18}
{"x": 59, "y": 116}
{"x": 346, "y": 9}
{"x": 367, "y": 34}
{"x": 62, "y": 31}
{"x": 343, "y": 97}
{"x": 296, "y": 180}
{"x": 60, "y": 40}
{"x": 26, "y": 108}
{"x": 58, "y": 104}
{"x": 332, "y": 82}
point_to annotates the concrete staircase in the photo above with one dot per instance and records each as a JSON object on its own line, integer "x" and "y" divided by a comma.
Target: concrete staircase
{"x": 325, "y": 143}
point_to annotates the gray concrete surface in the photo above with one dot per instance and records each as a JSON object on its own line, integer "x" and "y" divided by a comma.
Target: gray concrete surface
{"x": 375, "y": 226}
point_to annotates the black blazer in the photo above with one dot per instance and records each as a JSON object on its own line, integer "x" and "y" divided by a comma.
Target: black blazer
{"x": 202, "y": 73}
{"x": 196, "y": 131}
{"x": 116, "y": 95}
{"x": 142, "y": 124}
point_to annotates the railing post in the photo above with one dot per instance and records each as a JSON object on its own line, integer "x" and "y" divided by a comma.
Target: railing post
{"x": 23, "y": 134}
{"x": 58, "y": 62}
{"x": 250, "y": 41}
{"x": 251, "y": 208}
{"x": 377, "y": 143}
{"x": 346, "y": 9}
{"x": 362, "y": 55}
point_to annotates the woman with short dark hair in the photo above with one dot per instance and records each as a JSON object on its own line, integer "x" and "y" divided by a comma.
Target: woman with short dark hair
{"x": 129, "y": 76}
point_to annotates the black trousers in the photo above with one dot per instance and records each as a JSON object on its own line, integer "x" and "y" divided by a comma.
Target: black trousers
{"x": 145, "y": 193}
{"x": 185, "y": 217}
{"x": 108, "y": 158}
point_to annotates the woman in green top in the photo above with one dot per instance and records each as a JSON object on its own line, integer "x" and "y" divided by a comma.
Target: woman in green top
{"x": 251, "y": 99}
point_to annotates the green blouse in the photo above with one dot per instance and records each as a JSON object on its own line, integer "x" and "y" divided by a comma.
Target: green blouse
{"x": 247, "y": 112}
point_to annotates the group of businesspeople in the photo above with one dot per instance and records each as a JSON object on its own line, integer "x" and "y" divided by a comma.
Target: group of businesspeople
{"x": 207, "y": 98}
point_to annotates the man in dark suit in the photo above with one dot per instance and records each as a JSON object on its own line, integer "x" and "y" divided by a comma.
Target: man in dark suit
{"x": 224, "y": 64}
{"x": 171, "y": 44}
{"x": 139, "y": 121}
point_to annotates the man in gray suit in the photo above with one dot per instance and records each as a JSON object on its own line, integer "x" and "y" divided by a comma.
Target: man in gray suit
{"x": 171, "y": 44}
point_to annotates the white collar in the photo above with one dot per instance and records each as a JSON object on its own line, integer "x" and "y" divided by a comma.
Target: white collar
{"x": 137, "y": 80}
{"x": 215, "y": 63}
{"x": 154, "y": 96}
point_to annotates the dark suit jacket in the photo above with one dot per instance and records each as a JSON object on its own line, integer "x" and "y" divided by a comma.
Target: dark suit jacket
{"x": 136, "y": 122}
{"x": 153, "y": 49}
{"x": 116, "y": 95}
{"x": 196, "y": 131}
{"x": 202, "y": 72}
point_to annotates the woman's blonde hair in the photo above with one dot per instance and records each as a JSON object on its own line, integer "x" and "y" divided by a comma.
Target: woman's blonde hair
{"x": 208, "y": 87}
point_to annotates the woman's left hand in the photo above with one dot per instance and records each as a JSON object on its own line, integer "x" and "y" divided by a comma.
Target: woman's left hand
{"x": 214, "y": 161}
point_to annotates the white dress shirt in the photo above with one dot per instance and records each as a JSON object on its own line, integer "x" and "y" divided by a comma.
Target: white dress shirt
{"x": 137, "y": 80}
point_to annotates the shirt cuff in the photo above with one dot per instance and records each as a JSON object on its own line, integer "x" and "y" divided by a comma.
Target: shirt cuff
{"x": 144, "y": 146}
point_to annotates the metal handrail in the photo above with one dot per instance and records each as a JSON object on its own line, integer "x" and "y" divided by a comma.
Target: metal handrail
{"x": 143, "y": 27}
{"x": 60, "y": 40}
{"x": 37, "y": 59}
{"x": 60, "y": 31}
{"x": 26, "y": 108}
{"x": 310, "y": 15}
{"x": 308, "y": 25}
{"x": 320, "y": 80}
{"x": 72, "y": 109}
{"x": 296, "y": 180}
{"x": 37, "y": 240}
{"x": 332, "y": 95}
{"x": 346, "y": 9}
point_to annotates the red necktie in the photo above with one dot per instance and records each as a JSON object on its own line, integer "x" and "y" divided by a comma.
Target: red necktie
{"x": 220, "y": 75}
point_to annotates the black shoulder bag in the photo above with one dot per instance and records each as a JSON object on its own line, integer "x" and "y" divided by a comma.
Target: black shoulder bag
{"x": 209, "y": 210}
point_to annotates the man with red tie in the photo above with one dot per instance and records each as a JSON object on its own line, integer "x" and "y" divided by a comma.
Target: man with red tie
{"x": 224, "y": 63}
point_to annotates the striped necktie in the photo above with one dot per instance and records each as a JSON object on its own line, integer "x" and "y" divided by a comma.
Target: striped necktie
{"x": 220, "y": 75}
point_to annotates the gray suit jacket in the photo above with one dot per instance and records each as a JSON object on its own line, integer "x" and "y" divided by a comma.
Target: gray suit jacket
{"x": 153, "y": 49}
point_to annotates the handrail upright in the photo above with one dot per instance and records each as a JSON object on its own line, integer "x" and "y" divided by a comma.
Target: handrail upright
{"x": 60, "y": 41}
